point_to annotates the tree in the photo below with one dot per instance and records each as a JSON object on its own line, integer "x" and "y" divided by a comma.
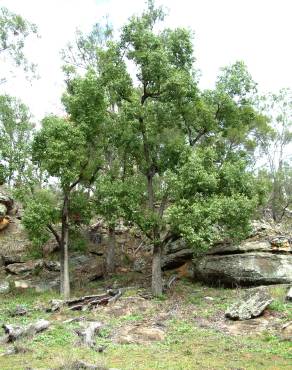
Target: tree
{"x": 275, "y": 147}
{"x": 68, "y": 150}
{"x": 14, "y": 30}
{"x": 16, "y": 132}
{"x": 164, "y": 109}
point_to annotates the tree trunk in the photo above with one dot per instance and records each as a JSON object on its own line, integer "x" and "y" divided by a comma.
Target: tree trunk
{"x": 65, "y": 281}
{"x": 110, "y": 255}
{"x": 156, "y": 270}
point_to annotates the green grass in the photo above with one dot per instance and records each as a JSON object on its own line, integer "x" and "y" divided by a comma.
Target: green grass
{"x": 186, "y": 346}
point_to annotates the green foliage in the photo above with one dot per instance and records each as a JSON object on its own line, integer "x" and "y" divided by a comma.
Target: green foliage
{"x": 41, "y": 211}
{"x": 14, "y": 30}
{"x": 16, "y": 132}
{"x": 212, "y": 198}
{"x": 59, "y": 148}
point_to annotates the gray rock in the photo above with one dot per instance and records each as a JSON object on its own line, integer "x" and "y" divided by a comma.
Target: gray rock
{"x": 289, "y": 295}
{"x": 250, "y": 306}
{"x": 19, "y": 311}
{"x": 10, "y": 259}
{"x": 139, "y": 264}
{"x": 6, "y": 200}
{"x": 177, "y": 259}
{"x": 26, "y": 267}
{"x": 4, "y": 287}
{"x": 252, "y": 263}
{"x": 3, "y": 210}
{"x": 45, "y": 286}
{"x": 54, "y": 266}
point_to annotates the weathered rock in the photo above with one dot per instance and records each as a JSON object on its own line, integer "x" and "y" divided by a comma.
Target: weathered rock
{"x": 177, "y": 259}
{"x": 26, "y": 267}
{"x": 53, "y": 266}
{"x": 249, "y": 263}
{"x": 4, "y": 222}
{"x": 88, "y": 268}
{"x": 250, "y": 306}
{"x": 3, "y": 211}
{"x": 19, "y": 311}
{"x": 23, "y": 284}
{"x": 286, "y": 332}
{"x": 139, "y": 264}
{"x": 140, "y": 335}
{"x": 47, "y": 285}
{"x": 4, "y": 287}
{"x": 10, "y": 259}
{"x": 6, "y": 200}
{"x": 289, "y": 295}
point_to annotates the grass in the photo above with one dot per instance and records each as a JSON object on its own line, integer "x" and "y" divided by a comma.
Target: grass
{"x": 186, "y": 346}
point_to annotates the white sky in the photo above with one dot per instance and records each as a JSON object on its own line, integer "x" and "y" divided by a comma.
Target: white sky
{"x": 255, "y": 31}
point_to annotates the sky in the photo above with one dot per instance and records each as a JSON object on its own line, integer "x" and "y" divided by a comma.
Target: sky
{"x": 255, "y": 31}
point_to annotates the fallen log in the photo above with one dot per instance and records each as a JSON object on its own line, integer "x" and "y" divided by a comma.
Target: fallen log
{"x": 86, "y": 302}
{"x": 88, "y": 332}
{"x": 14, "y": 332}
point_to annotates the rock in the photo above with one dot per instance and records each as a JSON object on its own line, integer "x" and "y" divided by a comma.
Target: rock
{"x": 289, "y": 294}
{"x": 23, "y": 284}
{"x": 10, "y": 259}
{"x": 177, "y": 259}
{"x": 87, "y": 268}
{"x": 140, "y": 335}
{"x": 250, "y": 306}
{"x": 25, "y": 267}
{"x": 4, "y": 222}
{"x": 54, "y": 266}
{"x": 286, "y": 332}
{"x": 3, "y": 211}
{"x": 249, "y": 263}
{"x": 4, "y": 287}
{"x": 82, "y": 365}
{"x": 19, "y": 311}
{"x": 45, "y": 286}
{"x": 6, "y": 200}
{"x": 79, "y": 260}
{"x": 281, "y": 243}
{"x": 210, "y": 299}
{"x": 261, "y": 228}
{"x": 139, "y": 264}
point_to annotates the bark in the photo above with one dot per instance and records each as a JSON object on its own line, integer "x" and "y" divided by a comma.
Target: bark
{"x": 65, "y": 281}
{"x": 156, "y": 270}
{"x": 110, "y": 255}
{"x": 87, "y": 302}
{"x": 87, "y": 334}
{"x": 13, "y": 332}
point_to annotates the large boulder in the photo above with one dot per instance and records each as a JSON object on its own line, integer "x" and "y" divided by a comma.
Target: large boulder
{"x": 3, "y": 211}
{"x": 250, "y": 306}
{"x": 247, "y": 264}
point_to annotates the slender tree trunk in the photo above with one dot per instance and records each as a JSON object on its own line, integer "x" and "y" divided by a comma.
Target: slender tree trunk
{"x": 65, "y": 281}
{"x": 110, "y": 255}
{"x": 156, "y": 270}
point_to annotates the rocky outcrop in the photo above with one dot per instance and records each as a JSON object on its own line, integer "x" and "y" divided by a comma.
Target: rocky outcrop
{"x": 177, "y": 253}
{"x": 250, "y": 306}
{"x": 253, "y": 262}
{"x": 26, "y": 267}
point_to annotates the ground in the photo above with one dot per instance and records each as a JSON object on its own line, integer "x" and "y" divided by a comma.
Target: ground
{"x": 184, "y": 329}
